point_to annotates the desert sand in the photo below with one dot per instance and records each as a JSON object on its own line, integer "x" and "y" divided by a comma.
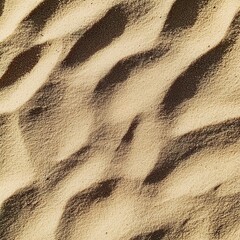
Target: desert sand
{"x": 119, "y": 120}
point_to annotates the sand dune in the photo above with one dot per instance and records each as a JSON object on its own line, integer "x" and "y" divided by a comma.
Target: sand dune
{"x": 119, "y": 119}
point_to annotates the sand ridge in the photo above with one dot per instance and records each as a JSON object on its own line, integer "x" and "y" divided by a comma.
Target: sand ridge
{"x": 119, "y": 120}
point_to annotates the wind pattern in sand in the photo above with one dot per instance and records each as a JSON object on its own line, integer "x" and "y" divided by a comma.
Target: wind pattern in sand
{"x": 119, "y": 120}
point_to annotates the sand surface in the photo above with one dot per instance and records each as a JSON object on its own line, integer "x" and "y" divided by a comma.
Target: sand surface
{"x": 119, "y": 120}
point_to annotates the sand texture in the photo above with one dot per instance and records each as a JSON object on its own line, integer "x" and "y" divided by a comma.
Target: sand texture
{"x": 119, "y": 119}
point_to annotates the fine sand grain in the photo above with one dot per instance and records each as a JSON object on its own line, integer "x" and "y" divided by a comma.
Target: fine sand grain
{"x": 119, "y": 119}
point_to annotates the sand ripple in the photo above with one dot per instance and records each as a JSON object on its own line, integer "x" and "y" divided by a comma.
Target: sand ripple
{"x": 119, "y": 119}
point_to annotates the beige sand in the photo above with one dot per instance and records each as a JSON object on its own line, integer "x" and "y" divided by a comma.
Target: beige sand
{"x": 119, "y": 120}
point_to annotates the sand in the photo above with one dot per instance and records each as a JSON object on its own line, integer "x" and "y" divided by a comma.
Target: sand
{"x": 119, "y": 120}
